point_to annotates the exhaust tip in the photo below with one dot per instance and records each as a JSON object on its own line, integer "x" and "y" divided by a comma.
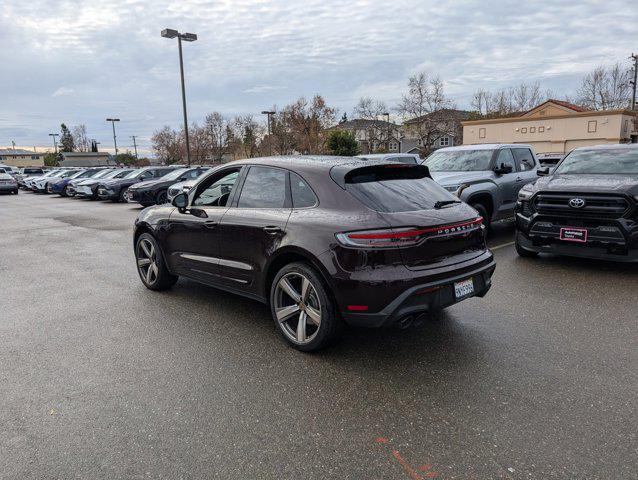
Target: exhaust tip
{"x": 406, "y": 322}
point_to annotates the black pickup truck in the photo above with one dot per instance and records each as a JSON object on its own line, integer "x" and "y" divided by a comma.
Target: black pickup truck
{"x": 587, "y": 207}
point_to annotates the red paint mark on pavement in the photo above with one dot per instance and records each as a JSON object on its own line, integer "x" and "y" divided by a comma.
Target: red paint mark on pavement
{"x": 411, "y": 472}
{"x": 425, "y": 468}
{"x": 431, "y": 475}
{"x": 381, "y": 440}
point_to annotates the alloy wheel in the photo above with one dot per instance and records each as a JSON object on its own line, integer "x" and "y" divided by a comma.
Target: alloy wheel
{"x": 147, "y": 261}
{"x": 297, "y": 308}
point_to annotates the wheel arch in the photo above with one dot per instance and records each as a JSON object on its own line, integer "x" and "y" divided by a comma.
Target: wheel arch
{"x": 483, "y": 197}
{"x": 289, "y": 255}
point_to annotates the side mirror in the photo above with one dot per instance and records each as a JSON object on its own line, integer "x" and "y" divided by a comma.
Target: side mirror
{"x": 503, "y": 169}
{"x": 181, "y": 202}
{"x": 542, "y": 172}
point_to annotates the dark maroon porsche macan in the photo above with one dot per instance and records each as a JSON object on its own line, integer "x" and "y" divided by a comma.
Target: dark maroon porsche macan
{"x": 322, "y": 240}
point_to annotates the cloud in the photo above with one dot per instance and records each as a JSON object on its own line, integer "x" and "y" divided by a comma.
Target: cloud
{"x": 63, "y": 91}
{"x": 252, "y": 54}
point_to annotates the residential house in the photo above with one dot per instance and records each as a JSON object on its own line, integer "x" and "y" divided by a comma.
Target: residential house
{"x": 555, "y": 126}
{"x": 434, "y": 130}
{"x": 373, "y": 135}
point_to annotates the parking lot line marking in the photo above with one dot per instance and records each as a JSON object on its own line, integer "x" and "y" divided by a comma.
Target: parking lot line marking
{"x": 509, "y": 244}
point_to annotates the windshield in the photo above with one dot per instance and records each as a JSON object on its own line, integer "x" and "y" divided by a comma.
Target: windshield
{"x": 134, "y": 173}
{"x": 175, "y": 174}
{"x": 612, "y": 161}
{"x": 459, "y": 161}
{"x": 77, "y": 174}
{"x": 101, "y": 173}
{"x": 68, "y": 174}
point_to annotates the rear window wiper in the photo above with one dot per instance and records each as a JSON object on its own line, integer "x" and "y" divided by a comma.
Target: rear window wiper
{"x": 444, "y": 203}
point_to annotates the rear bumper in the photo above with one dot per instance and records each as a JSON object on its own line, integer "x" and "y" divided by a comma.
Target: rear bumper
{"x": 424, "y": 293}
{"x": 8, "y": 188}
{"x": 615, "y": 240}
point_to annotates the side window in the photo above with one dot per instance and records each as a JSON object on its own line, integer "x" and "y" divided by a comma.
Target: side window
{"x": 264, "y": 188}
{"x": 302, "y": 194}
{"x": 505, "y": 156}
{"x": 216, "y": 191}
{"x": 193, "y": 174}
{"x": 524, "y": 159}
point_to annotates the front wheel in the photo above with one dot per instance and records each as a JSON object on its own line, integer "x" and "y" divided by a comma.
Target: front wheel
{"x": 522, "y": 252}
{"x": 161, "y": 198}
{"x": 122, "y": 196}
{"x": 487, "y": 221}
{"x": 302, "y": 308}
{"x": 151, "y": 265}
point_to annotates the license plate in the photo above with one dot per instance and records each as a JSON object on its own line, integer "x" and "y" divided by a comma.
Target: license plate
{"x": 574, "y": 235}
{"x": 464, "y": 288}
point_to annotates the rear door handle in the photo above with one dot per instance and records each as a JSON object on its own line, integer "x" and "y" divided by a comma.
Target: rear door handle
{"x": 519, "y": 179}
{"x": 272, "y": 230}
{"x": 210, "y": 224}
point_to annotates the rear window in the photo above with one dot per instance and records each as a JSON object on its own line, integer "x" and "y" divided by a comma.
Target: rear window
{"x": 395, "y": 188}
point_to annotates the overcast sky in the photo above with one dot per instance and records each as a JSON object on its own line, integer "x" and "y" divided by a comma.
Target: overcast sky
{"x": 79, "y": 62}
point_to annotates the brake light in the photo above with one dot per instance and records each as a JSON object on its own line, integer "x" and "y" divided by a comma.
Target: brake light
{"x": 403, "y": 237}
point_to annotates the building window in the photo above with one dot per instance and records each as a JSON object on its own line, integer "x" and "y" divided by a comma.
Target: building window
{"x": 591, "y": 126}
{"x": 532, "y": 129}
{"x": 541, "y": 129}
{"x": 524, "y": 130}
{"x": 393, "y": 146}
{"x": 444, "y": 141}
{"x": 481, "y": 133}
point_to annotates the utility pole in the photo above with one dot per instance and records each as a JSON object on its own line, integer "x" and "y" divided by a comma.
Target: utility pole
{"x": 135, "y": 145}
{"x": 634, "y": 57}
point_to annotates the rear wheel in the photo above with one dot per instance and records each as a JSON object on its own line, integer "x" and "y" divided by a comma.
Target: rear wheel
{"x": 479, "y": 207}
{"x": 302, "y": 308}
{"x": 16, "y": 191}
{"x": 122, "y": 196}
{"x": 151, "y": 265}
{"x": 65, "y": 192}
{"x": 522, "y": 252}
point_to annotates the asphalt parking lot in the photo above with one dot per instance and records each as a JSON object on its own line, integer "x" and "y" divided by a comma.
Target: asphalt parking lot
{"x": 102, "y": 378}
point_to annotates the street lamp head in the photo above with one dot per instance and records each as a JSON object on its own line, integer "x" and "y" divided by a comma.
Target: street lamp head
{"x": 189, "y": 37}
{"x": 267, "y": 112}
{"x": 112, "y": 119}
{"x": 169, "y": 33}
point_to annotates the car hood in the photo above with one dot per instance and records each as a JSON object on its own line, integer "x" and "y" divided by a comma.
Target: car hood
{"x": 589, "y": 183}
{"x": 457, "y": 178}
{"x": 117, "y": 182}
{"x": 150, "y": 183}
{"x": 88, "y": 181}
{"x": 5, "y": 176}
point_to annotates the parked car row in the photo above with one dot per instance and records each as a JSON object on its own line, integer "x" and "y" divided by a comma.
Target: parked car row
{"x": 146, "y": 186}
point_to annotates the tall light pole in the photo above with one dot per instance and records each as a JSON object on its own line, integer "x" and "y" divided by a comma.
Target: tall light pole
{"x": 187, "y": 37}
{"x": 634, "y": 57}
{"x": 135, "y": 145}
{"x": 55, "y": 143}
{"x": 113, "y": 120}
{"x": 269, "y": 114}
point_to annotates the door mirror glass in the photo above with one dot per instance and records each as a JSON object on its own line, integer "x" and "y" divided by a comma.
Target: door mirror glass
{"x": 180, "y": 201}
{"x": 542, "y": 172}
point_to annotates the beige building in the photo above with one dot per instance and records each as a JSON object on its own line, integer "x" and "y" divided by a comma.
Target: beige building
{"x": 17, "y": 157}
{"x": 555, "y": 126}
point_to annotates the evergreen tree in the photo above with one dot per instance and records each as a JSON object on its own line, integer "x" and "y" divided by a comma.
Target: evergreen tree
{"x": 66, "y": 139}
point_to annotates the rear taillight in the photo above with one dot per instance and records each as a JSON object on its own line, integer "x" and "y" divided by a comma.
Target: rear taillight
{"x": 404, "y": 237}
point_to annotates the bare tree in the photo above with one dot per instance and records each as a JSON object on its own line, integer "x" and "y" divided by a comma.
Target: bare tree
{"x": 507, "y": 101}
{"x": 218, "y": 130}
{"x": 250, "y": 132}
{"x": 369, "y": 109}
{"x": 167, "y": 145}
{"x": 80, "y": 139}
{"x": 427, "y": 113}
{"x": 605, "y": 88}
{"x": 308, "y": 122}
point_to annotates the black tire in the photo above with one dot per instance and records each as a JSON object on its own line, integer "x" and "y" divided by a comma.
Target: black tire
{"x": 161, "y": 198}
{"x": 160, "y": 278}
{"x": 479, "y": 207}
{"x": 65, "y": 192}
{"x": 522, "y": 252}
{"x": 330, "y": 324}
{"x": 16, "y": 191}
{"x": 122, "y": 196}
